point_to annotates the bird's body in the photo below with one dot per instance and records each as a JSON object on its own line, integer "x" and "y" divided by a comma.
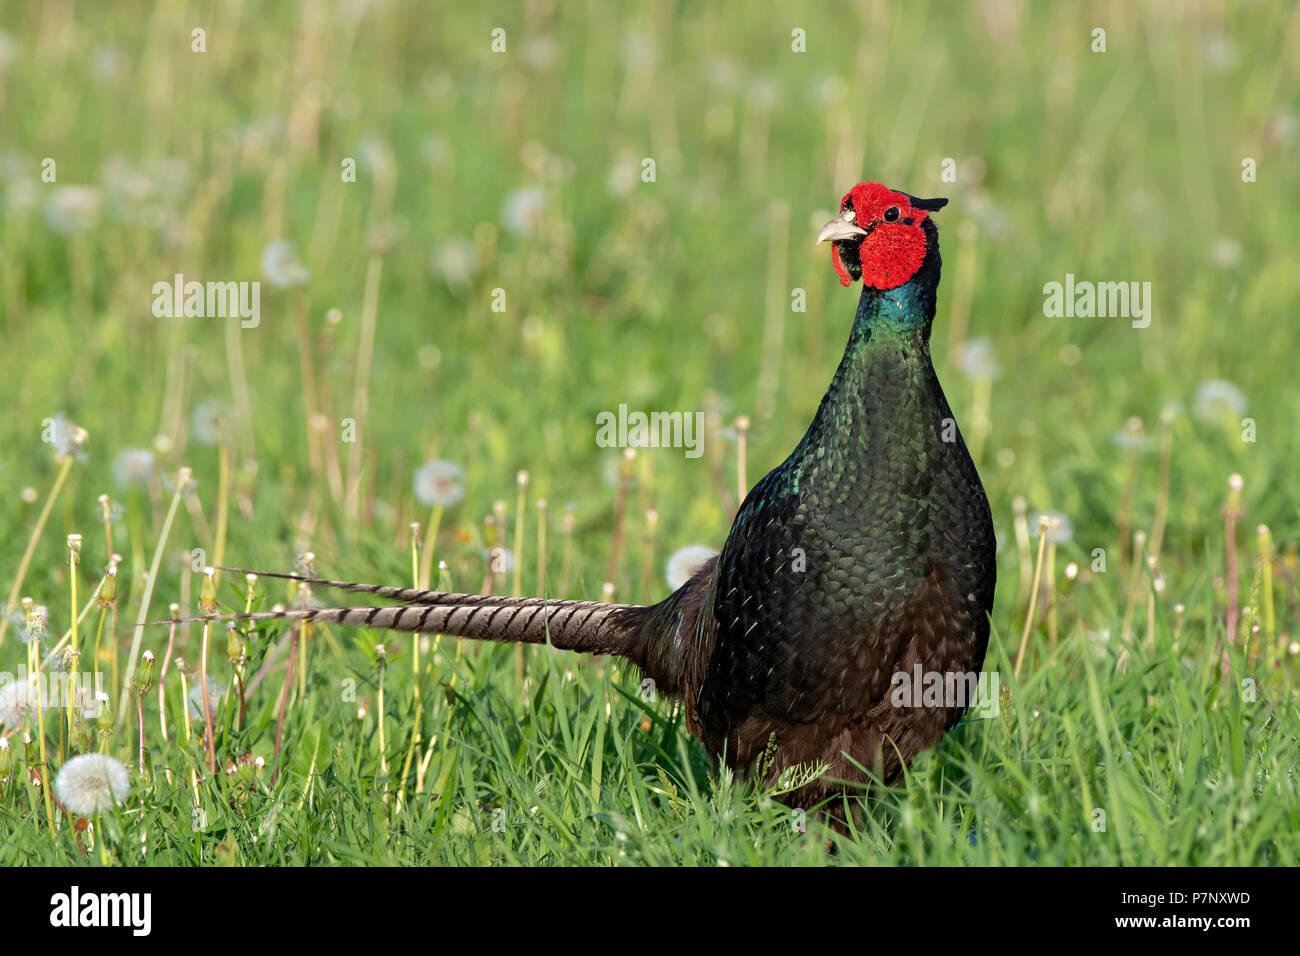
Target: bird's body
{"x": 868, "y": 553}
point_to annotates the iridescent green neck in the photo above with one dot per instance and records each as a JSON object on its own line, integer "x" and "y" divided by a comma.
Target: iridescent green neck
{"x": 884, "y": 384}
{"x": 902, "y": 314}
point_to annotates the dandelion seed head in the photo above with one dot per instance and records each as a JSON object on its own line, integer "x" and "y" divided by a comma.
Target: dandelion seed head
{"x": 216, "y": 690}
{"x": 523, "y": 212}
{"x": 439, "y": 483}
{"x": 1225, "y": 252}
{"x": 66, "y": 436}
{"x": 92, "y": 783}
{"x": 1060, "y": 528}
{"x": 107, "y": 64}
{"x": 454, "y": 261}
{"x": 1217, "y": 399}
{"x": 1131, "y": 437}
{"x": 33, "y": 626}
{"x": 975, "y": 359}
{"x": 684, "y": 562}
{"x": 18, "y": 701}
{"x": 281, "y": 267}
{"x": 72, "y": 209}
{"x": 133, "y": 467}
{"x": 209, "y": 422}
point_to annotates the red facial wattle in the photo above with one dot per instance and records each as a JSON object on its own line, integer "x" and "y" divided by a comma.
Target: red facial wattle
{"x": 840, "y": 269}
{"x": 893, "y": 251}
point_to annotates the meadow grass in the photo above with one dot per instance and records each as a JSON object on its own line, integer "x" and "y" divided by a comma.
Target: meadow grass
{"x": 1126, "y": 733}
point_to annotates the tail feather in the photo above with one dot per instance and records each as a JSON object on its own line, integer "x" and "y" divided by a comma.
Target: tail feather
{"x": 589, "y": 627}
{"x": 407, "y": 595}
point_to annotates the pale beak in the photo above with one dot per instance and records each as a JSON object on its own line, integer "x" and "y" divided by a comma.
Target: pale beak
{"x": 839, "y": 229}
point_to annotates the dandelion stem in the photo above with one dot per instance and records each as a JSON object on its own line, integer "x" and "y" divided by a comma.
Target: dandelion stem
{"x": 1231, "y": 511}
{"x": 415, "y": 554}
{"x": 284, "y": 702}
{"x": 139, "y": 716}
{"x": 99, "y": 631}
{"x": 74, "y": 554}
{"x": 185, "y": 710}
{"x": 1264, "y": 539}
{"x": 40, "y": 730}
{"x": 207, "y": 704}
{"x": 566, "y": 559}
{"x": 223, "y": 507}
{"x": 360, "y": 402}
{"x": 1162, "y": 492}
{"x": 383, "y": 747}
{"x": 541, "y": 547}
{"x": 1043, "y": 524}
{"x": 521, "y": 483}
{"x": 1135, "y": 581}
{"x": 1051, "y": 583}
{"x": 430, "y": 540}
{"x": 183, "y": 479}
{"x": 162, "y": 679}
{"x": 26, "y": 560}
{"x": 648, "y": 552}
{"x": 620, "y": 511}
{"x": 415, "y": 676}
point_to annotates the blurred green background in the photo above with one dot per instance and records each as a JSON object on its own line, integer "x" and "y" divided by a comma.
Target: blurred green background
{"x": 522, "y": 171}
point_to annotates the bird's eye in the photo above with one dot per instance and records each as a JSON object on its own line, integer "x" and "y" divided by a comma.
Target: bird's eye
{"x": 891, "y": 214}
{"x": 848, "y": 215}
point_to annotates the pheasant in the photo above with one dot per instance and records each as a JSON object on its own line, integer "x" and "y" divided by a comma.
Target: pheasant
{"x": 868, "y": 553}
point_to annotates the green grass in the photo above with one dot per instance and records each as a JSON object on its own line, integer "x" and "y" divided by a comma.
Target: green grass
{"x": 670, "y": 295}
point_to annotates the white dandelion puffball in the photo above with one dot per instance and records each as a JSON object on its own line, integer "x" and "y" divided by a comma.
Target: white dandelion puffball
{"x": 523, "y": 211}
{"x": 92, "y": 783}
{"x": 72, "y": 209}
{"x": 684, "y": 562}
{"x": 209, "y": 421}
{"x": 1130, "y": 437}
{"x": 133, "y": 467}
{"x": 66, "y": 436}
{"x": 216, "y": 691}
{"x": 1216, "y": 400}
{"x": 454, "y": 261}
{"x": 1064, "y": 529}
{"x": 439, "y": 483}
{"x": 975, "y": 359}
{"x": 281, "y": 267}
{"x": 18, "y": 701}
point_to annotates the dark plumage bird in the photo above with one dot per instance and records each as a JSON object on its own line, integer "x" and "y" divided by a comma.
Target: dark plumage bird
{"x": 867, "y": 553}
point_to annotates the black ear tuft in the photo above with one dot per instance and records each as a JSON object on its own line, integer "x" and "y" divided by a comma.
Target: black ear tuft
{"x": 929, "y": 205}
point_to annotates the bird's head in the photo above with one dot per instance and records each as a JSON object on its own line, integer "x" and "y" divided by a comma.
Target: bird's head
{"x": 880, "y": 235}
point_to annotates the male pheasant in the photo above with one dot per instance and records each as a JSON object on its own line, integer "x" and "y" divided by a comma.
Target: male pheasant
{"x": 868, "y": 553}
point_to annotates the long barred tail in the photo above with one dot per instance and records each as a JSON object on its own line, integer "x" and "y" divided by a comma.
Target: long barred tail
{"x": 589, "y": 627}
{"x": 406, "y": 595}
